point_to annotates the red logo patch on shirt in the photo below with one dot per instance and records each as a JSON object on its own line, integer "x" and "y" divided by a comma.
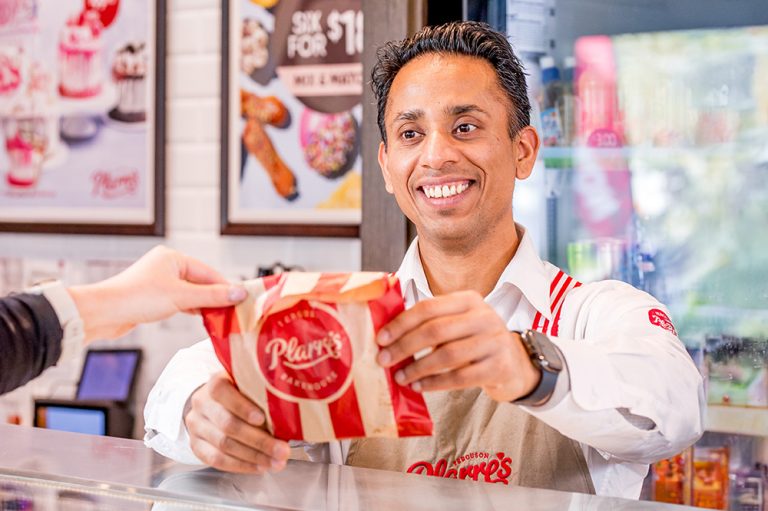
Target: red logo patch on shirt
{"x": 659, "y": 318}
{"x": 478, "y": 466}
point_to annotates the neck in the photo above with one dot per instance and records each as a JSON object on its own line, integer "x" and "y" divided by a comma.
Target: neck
{"x": 457, "y": 266}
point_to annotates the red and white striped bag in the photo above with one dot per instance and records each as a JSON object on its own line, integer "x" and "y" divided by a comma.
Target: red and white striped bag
{"x": 302, "y": 347}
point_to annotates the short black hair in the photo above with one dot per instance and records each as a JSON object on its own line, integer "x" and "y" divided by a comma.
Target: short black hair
{"x": 470, "y": 38}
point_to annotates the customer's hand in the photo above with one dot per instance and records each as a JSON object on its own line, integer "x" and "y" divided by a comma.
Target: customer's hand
{"x": 469, "y": 345}
{"x": 161, "y": 283}
{"x": 226, "y": 430}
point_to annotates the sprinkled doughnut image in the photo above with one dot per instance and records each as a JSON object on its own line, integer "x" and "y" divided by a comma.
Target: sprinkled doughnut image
{"x": 329, "y": 141}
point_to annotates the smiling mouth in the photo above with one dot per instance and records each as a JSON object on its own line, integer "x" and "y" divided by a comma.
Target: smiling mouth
{"x": 445, "y": 190}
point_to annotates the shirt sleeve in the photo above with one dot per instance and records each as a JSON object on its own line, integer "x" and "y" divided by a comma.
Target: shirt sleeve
{"x": 164, "y": 427}
{"x": 30, "y": 339}
{"x": 635, "y": 394}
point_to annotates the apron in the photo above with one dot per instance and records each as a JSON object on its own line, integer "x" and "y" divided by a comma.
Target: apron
{"x": 481, "y": 439}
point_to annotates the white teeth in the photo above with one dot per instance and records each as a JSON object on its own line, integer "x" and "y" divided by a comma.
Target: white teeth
{"x": 436, "y": 192}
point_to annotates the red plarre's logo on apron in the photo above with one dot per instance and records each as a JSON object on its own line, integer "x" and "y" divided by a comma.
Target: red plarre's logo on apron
{"x": 478, "y": 466}
{"x": 659, "y": 318}
{"x": 304, "y": 353}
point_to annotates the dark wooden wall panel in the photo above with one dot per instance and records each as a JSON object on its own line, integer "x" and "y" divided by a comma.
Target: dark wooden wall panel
{"x": 384, "y": 230}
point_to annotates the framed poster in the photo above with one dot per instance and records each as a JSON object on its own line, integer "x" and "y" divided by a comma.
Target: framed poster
{"x": 291, "y": 111}
{"x": 82, "y": 112}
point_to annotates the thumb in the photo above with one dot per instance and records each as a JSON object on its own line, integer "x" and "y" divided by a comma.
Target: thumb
{"x": 197, "y": 296}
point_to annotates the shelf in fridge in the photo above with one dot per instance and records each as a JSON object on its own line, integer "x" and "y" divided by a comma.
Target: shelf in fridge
{"x": 742, "y": 420}
{"x": 559, "y": 155}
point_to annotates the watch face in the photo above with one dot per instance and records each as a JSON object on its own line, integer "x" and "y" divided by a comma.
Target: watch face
{"x": 546, "y": 349}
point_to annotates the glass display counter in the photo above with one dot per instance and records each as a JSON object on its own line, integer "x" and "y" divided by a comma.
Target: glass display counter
{"x": 56, "y": 471}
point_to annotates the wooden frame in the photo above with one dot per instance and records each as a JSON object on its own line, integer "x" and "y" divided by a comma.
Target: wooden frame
{"x": 253, "y": 200}
{"x": 114, "y": 156}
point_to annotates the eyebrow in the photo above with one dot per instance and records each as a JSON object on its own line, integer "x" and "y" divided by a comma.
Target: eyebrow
{"x": 454, "y": 111}
{"x": 464, "y": 109}
{"x": 409, "y": 115}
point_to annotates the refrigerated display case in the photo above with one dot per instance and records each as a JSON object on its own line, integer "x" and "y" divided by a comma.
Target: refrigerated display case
{"x": 655, "y": 165}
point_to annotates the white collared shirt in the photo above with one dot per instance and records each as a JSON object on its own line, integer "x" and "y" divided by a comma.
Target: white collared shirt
{"x": 630, "y": 394}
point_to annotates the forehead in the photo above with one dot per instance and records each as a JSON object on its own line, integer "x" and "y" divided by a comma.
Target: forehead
{"x": 437, "y": 81}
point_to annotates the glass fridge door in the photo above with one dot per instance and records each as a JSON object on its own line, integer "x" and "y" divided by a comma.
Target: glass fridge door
{"x": 654, "y": 121}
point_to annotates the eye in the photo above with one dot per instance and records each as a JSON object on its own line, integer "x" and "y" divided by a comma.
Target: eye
{"x": 409, "y": 134}
{"x": 465, "y": 128}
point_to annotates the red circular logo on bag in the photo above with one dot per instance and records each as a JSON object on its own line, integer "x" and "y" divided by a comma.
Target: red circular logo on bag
{"x": 305, "y": 353}
{"x": 659, "y": 318}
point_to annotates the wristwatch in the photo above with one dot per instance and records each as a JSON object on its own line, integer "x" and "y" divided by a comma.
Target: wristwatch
{"x": 69, "y": 317}
{"x": 546, "y": 357}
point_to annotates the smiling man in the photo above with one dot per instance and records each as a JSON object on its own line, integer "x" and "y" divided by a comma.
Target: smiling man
{"x": 531, "y": 377}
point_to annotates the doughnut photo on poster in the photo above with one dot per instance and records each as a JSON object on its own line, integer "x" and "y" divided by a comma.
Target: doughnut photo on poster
{"x": 292, "y": 116}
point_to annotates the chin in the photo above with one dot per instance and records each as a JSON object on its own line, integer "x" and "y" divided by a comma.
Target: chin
{"x": 450, "y": 238}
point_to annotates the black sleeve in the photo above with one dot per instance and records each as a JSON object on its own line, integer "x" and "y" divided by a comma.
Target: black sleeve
{"x": 30, "y": 339}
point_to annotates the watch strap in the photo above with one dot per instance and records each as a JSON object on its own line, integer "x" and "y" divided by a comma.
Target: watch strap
{"x": 549, "y": 374}
{"x": 542, "y": 392}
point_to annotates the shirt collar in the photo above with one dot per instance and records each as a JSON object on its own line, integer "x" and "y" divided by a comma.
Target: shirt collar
{"x": 526, "y": 271}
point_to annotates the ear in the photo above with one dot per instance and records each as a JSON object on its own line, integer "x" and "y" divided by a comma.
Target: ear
{"x": 383, "y": 164}
{"x": 527, "y": 142}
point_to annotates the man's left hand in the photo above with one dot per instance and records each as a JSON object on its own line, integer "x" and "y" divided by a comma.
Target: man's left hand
{"x": 469, "y": 345}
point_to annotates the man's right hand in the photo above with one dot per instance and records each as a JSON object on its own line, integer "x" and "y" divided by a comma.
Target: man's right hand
{"x": 226, "y": 430}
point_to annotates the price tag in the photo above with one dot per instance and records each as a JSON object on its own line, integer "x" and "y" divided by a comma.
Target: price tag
{"x": 347, "y": 24}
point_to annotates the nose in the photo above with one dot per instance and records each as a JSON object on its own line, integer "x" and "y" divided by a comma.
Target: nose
{"x": 439, "y": 148}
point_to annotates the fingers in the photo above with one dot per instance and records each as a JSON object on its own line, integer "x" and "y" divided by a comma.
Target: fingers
{"x": 447, "y": 357}
{"x": 435, "y": 332}
{"x": 474, "y": 375}
{"x": 197, "y": 272}
{"x": 211, "y": 456}
{"x": 192, "y": 297}
{"x": 454, "y": 303}
{"x": 225, "y": 431}
{"x": 222, "y": 392}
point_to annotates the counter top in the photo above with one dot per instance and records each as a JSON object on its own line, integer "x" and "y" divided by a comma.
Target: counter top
{"x": 94, "y": 472}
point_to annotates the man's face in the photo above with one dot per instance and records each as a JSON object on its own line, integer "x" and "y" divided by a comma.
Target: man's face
{"x": 449, "y": 159}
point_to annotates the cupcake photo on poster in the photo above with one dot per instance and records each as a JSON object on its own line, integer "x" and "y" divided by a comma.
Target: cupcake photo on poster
{"x": 77, "y": 96}
{"x": 292, "y": 125}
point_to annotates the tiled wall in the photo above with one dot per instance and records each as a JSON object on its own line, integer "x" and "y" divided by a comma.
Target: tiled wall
{"x": 192, "y": 202}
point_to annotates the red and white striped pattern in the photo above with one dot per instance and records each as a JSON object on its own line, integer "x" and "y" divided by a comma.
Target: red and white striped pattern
{"x": 559, "y": 287}
{"x": 370, "y": 404}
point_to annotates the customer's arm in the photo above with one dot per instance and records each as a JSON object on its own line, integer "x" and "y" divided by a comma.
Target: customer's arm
{"x": 35, "y": 327}
{"x": 30, "y": 339}
{"x": 160, "y": 284}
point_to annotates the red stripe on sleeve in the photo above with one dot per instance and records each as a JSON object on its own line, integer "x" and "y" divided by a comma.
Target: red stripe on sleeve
{"x": 536, "y": 321}
{"x": 556, "y": 322}
{"x": 286, "y": 418}
{"x": 554, "y": 283}
{"x": 561, "y": 293}
{"x": 345, "y": 415}
{"x": 545, "y": 326}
